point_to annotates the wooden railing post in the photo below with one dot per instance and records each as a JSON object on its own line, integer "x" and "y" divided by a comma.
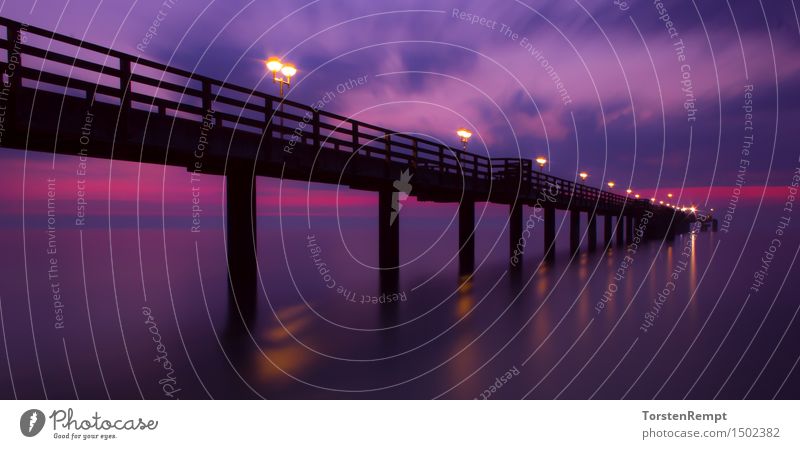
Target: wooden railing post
{"x": 355, "y": 137}
{"x": 14, "y": 38}
{"x": 316, "y": 130}
{"x": 528, "y": 169}
{"x": 206, "y": 96}
{"x": 441, "y": 163}
{"x": 387, "y": 141}
{"x": 208, "y": 103}
{"x": 125, "y": 102}
{"x": 415, "y": 153}
{"x": 268, "y": 116}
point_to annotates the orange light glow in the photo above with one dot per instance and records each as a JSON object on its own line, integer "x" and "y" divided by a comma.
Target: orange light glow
{"x": 274, "y": 64}
{"x": 289, "y": 70}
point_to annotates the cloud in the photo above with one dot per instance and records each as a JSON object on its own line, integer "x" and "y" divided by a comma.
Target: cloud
{"x": 430, "y": 72}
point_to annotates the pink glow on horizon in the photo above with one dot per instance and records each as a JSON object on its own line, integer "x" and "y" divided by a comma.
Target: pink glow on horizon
{"x": 718, "y": 196}
{"x": 295, "y": 198}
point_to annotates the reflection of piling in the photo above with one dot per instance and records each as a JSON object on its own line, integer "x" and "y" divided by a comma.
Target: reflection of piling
{"x": 466, "y": 237}
{"x": 388, "y": 241}
{"x": 550, "y": 234}
{"x": 515, "y": 232}
{"x": 389, "y": 232}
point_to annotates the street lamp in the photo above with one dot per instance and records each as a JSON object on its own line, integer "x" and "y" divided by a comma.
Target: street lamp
{"x": 464, "y": 134}
{"x": 611, "y": 184}
{"x": 669, "y": 195}
{"x": 653, "y": 200}
{"x": 583, "y": 176}
{"x": 628, "y": 191}
{"x": 636, "y": 196}
{"x": 287, "y": 71}
{"x": 541, "y": 161}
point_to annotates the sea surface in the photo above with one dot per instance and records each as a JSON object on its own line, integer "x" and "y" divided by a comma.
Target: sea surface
{"x": 131, "y": 303}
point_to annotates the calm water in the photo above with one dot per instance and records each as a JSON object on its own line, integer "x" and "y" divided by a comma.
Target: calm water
{"x": 538, "y": 333}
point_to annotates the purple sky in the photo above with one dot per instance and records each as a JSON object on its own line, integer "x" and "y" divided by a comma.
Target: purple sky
{"x": 620, "y": 114}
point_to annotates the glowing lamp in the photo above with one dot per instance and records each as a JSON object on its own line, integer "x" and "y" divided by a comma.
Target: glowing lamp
{"x": 288, "y": 70}
{"x": 464, "y": 133}
{"x": 274, "y": 64}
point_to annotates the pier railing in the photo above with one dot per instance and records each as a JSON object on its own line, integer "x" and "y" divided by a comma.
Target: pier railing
{"x": 39, "y": 59}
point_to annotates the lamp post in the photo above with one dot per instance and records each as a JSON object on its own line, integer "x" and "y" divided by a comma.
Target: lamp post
{"x": 541, "y": 161}
{"x": 287, "y": 71}
{"x": 611, "y": 184}
{"x": 669, "y": 195}
{"x": 628, "y": 191}
{"x": 464, "y": 134}
{"x": 636, "y": 196}
{"x": 583, "y": 176}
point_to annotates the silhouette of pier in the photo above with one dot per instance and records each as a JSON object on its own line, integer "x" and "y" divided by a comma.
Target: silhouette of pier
{"x": 147, "y": 112}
